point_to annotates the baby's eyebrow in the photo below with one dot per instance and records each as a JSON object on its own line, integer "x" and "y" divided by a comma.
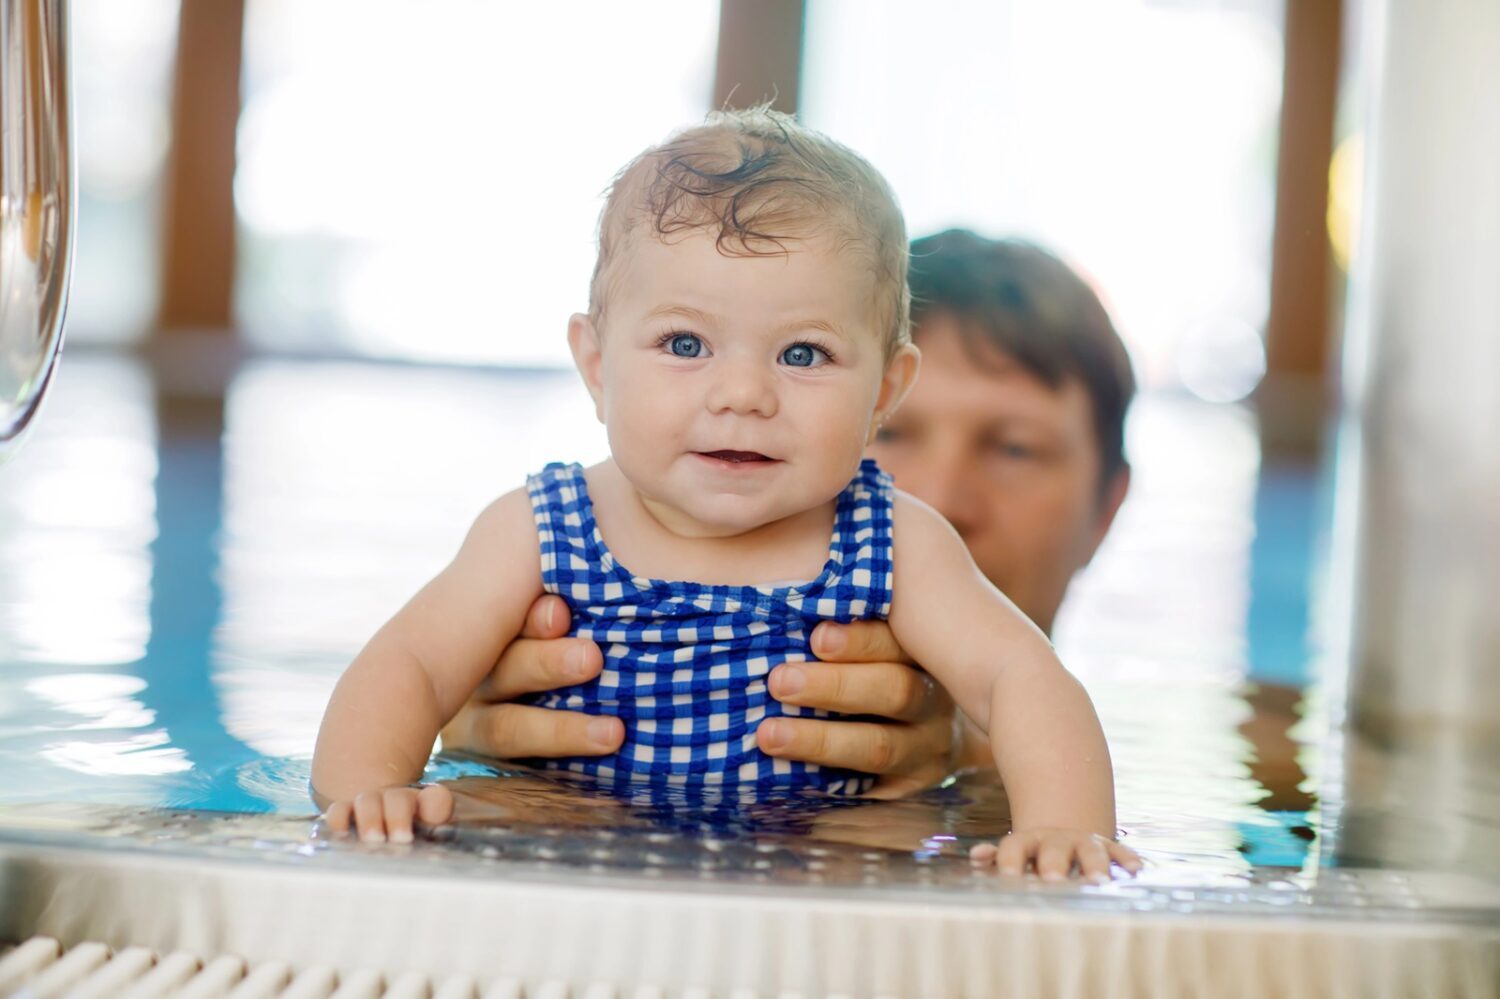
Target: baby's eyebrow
{"x": 714, "y": 321}
{"x": 686, "y": 312}
{"x": 810, "y": 324}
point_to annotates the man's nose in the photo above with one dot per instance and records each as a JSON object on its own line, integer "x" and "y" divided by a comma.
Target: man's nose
{"x": 948, "y": 483}
{"x": 744, "y": 388}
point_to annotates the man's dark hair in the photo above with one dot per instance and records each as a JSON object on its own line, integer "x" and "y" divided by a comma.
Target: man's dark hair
{"x": 1013, "y": 296}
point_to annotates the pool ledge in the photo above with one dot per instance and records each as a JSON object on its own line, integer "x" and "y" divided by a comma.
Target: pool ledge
{"x": 433, "y": 910}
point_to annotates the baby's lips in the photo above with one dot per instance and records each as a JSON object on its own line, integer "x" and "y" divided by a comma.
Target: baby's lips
{"x": 727, "y": 454}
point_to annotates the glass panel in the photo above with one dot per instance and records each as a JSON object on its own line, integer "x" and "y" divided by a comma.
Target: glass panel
{"x": 1136, "y": 139}
{"x": 423, "y": 181}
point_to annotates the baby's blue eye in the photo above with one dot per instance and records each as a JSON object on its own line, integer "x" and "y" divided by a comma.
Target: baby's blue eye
{"x": 686, "y": 345}
{"x": 800, "y": 355}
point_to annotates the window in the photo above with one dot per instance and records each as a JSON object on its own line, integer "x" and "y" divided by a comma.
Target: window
{"x": 1135, "y": 139}
{"x": 121, "y": 58}
{"x": 422, "y": 181}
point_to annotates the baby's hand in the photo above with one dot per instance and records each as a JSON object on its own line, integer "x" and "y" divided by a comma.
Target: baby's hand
{"x": 388, "y": 812}
{"x": 1055, "y": 853}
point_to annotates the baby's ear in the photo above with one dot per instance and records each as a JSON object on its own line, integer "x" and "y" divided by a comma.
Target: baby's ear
{"x": 588, "y": 357}
{"x": 900, "y": 375}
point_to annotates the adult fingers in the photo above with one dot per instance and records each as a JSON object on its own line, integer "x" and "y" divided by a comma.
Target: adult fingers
{"x": 518, "y": 730}
{"x": 549, "y": 617}
{"x": 531, "y": 665}
{"x": 884, "y": 689}
{"x": 870, "y": 747}
{"x": 857, "y": 642}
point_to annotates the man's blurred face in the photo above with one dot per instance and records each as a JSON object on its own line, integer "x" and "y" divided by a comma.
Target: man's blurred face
{"x": 1012, "y": 462}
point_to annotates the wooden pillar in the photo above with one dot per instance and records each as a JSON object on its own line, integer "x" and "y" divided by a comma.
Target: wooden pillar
{"x": 198, "y": 223}
{"x": 1294, "y": 398}
{"x": 760, "y": 53}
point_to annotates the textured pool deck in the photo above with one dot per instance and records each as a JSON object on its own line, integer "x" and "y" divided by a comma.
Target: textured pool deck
{"x": 632, "y": 910}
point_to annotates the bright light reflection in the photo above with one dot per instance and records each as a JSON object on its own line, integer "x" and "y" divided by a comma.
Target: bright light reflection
{"x": 427, "y": 186}
{"x": 146, "y": 755}
{"x": 105, "y": 699}
{"x": 1135, "y": 138}
{"x": 1221, "y": 361}
{"x": 77, "y": 518}
{"x": 347, "y": 486}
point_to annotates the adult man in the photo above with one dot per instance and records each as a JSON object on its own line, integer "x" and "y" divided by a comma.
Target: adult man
{"x": 1013, "y": 432}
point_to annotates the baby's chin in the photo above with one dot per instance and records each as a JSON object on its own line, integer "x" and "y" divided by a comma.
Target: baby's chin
{"x": 699, "y": 513}
{"x": 725, "y": 516}
{"x": 706, "y": 502}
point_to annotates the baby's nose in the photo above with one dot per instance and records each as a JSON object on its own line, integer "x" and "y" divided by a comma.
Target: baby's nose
{"x": 743, "y": 389}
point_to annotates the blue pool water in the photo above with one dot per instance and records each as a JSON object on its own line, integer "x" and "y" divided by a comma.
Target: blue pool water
{"x": 182, "y": 580}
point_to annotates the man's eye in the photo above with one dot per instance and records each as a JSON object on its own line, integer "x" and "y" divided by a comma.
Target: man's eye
{"x": 1010, "y": 449}
{"x": 889, "y": 434}
{"x": 685, "y": 345}
{"x": 802, "y": 355}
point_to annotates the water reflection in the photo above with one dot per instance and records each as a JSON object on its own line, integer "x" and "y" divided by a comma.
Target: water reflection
{"x": 299, "y": 512}
{"x": 77, "y": 514}
{"x": 348, "y": 486}
{"x": 185, "y": 602}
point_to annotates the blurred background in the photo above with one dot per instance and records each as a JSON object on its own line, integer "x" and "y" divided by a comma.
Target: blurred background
{"x": 325, "y": 255}
{"x": 366, "y": 179}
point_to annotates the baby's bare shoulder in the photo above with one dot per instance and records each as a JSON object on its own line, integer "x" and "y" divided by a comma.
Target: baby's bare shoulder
{"x": 506, "y": 514}
{"x": 504, "y": 534}
{"x": 921, "y": 535}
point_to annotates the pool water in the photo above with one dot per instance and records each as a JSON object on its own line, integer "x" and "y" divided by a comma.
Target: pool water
{"x": 182, "y": 579}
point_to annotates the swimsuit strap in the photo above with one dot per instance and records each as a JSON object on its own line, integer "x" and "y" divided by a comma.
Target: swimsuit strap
{"x": 862, "y": 545}
{"x": 559, "y": 505}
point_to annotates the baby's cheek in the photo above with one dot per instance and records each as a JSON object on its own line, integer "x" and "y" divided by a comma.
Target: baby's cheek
{"x": 839, "y": 449}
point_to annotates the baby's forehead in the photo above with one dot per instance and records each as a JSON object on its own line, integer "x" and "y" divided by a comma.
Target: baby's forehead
{"x": 812, "y": 270}
{"x": 677, "y": 254}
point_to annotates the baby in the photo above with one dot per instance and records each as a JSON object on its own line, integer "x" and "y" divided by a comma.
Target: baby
{"x": 746, "y": 336}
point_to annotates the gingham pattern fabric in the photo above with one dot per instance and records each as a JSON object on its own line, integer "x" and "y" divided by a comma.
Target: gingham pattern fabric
{"x": 685, "y": 664}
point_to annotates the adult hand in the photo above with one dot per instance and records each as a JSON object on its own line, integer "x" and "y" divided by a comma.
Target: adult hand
{"x": 541, "y": 659}
{"x": 909, "y": 738}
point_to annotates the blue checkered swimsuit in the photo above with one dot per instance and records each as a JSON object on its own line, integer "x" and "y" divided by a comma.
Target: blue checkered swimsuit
{"x": 685, "y": 664}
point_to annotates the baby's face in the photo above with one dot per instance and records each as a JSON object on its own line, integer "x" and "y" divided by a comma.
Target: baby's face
{"x": 738, "y": 391}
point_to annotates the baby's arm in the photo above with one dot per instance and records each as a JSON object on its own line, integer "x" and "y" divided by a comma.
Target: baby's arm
{"x": 418, "y": 669}
{"x": 1002, "y": 672}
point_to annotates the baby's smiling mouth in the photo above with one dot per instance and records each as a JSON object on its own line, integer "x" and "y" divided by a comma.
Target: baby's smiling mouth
{"x": 735, "y": 457}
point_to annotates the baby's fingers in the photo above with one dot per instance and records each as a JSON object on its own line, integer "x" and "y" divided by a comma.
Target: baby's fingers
{"x": 1125, "y": 857}
{"x": 434, "y": 805}
{"x": 983, "y": 855}
{"x": 399, "y": 804}
{"x": 1015, "y": 851}
{"x": 1093, "y": 859}
{"x": 1054, "y": 857}
{"x": 369, "y": 816}
{"x": 337, "y": 817}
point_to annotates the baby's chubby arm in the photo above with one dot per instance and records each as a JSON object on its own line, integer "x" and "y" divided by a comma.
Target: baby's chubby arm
{"x": 1002, "y": 672}
{"x": 420, "y": 667}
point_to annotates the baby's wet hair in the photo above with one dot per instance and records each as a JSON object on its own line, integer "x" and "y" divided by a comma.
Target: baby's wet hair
{"x": 757, "y": 179}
